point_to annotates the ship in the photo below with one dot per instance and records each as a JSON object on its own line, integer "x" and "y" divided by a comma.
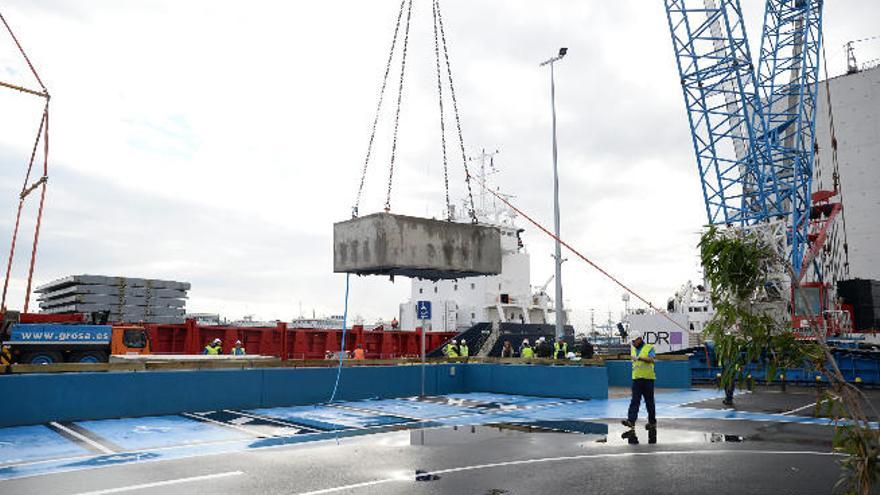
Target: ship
{"x": 506, "y": 302}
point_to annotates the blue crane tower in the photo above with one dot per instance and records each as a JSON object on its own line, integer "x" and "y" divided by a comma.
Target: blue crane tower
{"x": 753, "y": 127}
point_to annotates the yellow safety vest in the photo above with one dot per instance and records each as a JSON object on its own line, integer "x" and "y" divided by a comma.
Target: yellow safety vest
{"x": 450, "y": 351}
{"x": 557, "y": 347}
{"x": 238, "y": 351}
{"x": 527, "y": 353}
{"x": 642, "y": 369}
{"x": 209, "y": 349}
{"x": 463, "y": 349}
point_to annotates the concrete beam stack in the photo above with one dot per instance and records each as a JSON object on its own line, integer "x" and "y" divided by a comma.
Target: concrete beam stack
{"x": 131, "y": 300}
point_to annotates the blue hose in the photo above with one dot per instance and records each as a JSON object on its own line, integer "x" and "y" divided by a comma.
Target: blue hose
{"x": 342, "y": 346}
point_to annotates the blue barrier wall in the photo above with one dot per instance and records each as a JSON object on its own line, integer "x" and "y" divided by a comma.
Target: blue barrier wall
{"x": 39, "y": 398}
{"x": 564, "y": 382}
{"x": 670, "y": 374}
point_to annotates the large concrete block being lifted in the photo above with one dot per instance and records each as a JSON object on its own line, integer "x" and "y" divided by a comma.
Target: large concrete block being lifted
{"x": 386, "y": 244}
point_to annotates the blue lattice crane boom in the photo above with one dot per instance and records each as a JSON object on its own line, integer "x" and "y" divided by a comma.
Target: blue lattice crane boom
{"x": 788, "y": 82}
{"x": 753, "y": 130}
{"x": 718, "y": 83}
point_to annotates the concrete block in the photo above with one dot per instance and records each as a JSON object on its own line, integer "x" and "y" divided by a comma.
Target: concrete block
{"x": 386, "y": 244}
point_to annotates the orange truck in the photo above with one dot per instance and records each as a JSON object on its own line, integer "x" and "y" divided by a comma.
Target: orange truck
{"x": 30, "y": 339}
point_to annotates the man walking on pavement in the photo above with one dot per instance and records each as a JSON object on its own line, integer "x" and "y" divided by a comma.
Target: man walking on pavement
{"x": 643, "y": 377}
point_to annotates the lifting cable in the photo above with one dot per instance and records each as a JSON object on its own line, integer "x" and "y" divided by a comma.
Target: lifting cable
{"x": 397, "y": 110}
{"x": 467, "y": 175}
{"x": 577, "y": 253}
{"x": 434, "y": 8}
{"x": 835, "y": 164}
{"x": 441, "y": 51}
{"x": 357, "y": 201}
{"x": 42, "y": 132}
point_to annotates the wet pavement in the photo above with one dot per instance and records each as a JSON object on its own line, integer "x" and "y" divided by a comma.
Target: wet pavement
{"x": 467, "y": 443}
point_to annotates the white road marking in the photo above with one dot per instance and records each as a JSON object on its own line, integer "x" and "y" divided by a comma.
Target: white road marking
{"x": 226, "y": 425}
{"x": 271, "y": 420}
{"x": 786, "y": 413}
{"x": 563, "y": 458}
{"x": 81, "y": 437}
{"x": 164, "y": 483}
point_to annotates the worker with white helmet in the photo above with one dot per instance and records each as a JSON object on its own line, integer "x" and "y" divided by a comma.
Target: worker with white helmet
{"x": 543, "y": 349}
{"x": 238, "y": 350}
{"x": 214, "y": 348}
{"x": 451, "y": 349}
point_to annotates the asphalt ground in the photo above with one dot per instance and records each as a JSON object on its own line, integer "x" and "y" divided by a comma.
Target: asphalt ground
{"x": 775, "y": 400}
{"x": 487, "y": 445}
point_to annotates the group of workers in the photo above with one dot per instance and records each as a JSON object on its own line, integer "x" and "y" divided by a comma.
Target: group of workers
{"x": 456, "y": 349}
{"x": 215, "y": 348}
{"x": 544, "y": 349}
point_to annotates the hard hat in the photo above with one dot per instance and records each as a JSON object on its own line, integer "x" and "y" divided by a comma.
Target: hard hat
{"x": 453, "y": 341}
{"x": 238, "y": 342}
{"x": 525, "y": 341}
{"x": 216, "y": 341}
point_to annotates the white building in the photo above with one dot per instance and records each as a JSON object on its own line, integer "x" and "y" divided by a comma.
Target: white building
{"x": 855, "y": 100}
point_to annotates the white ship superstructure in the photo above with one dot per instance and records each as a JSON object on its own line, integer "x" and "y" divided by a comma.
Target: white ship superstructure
{"x": 508, "y": 297}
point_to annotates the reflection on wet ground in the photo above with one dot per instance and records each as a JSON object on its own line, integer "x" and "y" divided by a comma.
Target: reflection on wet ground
{"x": 588, "y": 432}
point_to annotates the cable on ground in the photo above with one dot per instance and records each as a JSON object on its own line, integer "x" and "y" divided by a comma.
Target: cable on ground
{"x": 342, "y": 346}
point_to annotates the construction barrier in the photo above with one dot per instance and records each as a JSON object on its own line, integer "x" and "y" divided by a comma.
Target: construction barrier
{"x": 44, "y": 397}
{"x": 564, "y": 382}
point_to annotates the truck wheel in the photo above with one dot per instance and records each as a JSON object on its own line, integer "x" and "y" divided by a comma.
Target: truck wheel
{"x": 41, "y": 357}
{"x": 89, "y": 357}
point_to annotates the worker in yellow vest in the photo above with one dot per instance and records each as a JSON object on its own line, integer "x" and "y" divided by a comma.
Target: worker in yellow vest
{"x": 560, "y": 349}
{"x": 526, "y": 352}
{"x": 238, "y": 350}
{"x": 214, "y": 348}
{"x": 451, "y": 349}
{"x": 642, "y": 356}
{"x": 463, "y": 350}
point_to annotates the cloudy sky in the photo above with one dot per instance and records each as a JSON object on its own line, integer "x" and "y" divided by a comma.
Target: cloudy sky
{"x": 216, "y": 142}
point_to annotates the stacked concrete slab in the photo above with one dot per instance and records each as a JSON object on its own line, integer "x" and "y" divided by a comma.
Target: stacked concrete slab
{"x": 126, "y": 299}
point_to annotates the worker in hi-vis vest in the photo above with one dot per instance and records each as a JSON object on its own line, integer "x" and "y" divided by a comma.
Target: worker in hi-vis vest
{"x": 213, "y": 348}
{"x": 238, "y": 350}
{"x": 560, "y": 349}
{"x": 360, "y": 354}
{"x": 463, "y": 350}
{"x": 643, "y": 377}
{"x": 451, "y": 349}
{"x": 526, "y": 352}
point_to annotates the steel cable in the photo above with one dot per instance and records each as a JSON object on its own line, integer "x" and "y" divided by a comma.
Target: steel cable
{"x": 442, "y": 113}
{"x": 397, "y": 110}
{"x": 467, "y": 175}
{"x": 360, "y": 191}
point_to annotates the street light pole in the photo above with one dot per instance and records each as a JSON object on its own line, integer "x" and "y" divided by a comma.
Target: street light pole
{"x": 560, "y": 333}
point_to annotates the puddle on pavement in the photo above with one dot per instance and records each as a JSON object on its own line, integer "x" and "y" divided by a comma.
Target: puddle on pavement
{"x": 588, "y": 433}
